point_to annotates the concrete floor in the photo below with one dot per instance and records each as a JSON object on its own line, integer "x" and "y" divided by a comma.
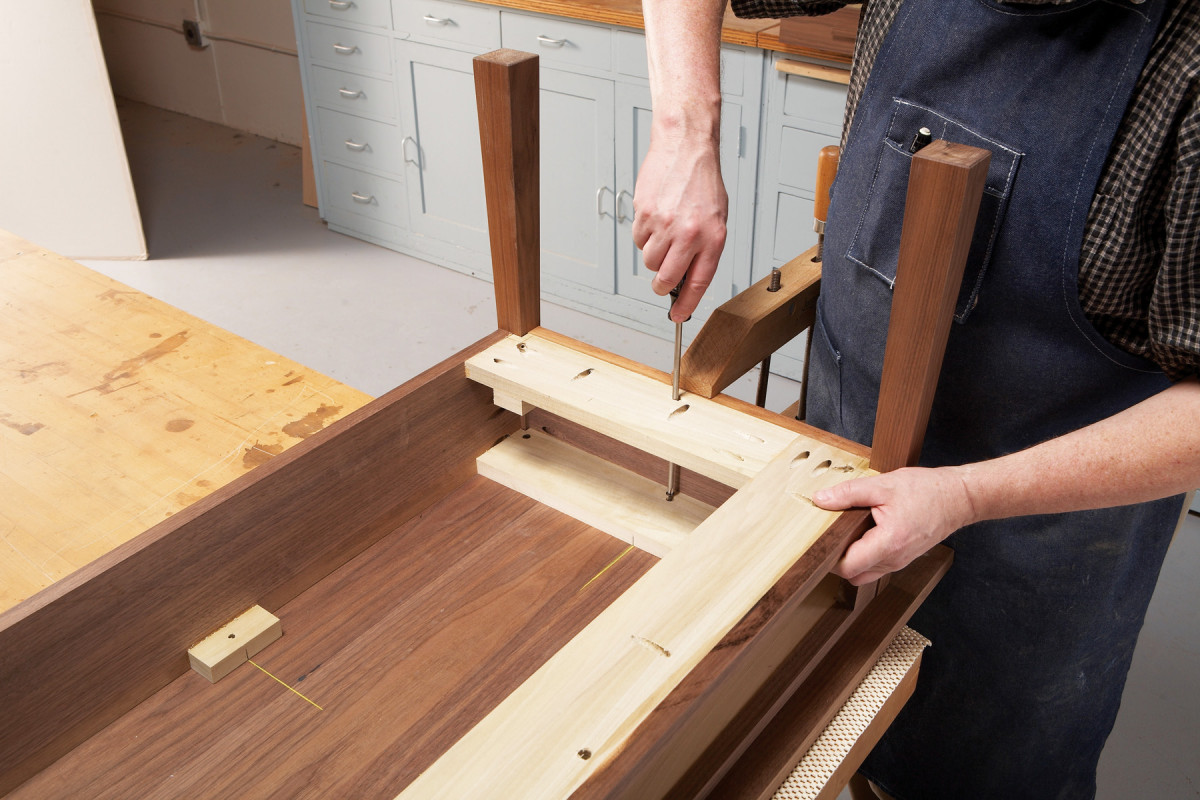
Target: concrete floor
{"x": 230, "y": 242}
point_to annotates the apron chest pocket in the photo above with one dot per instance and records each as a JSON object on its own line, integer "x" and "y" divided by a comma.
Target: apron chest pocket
{"x": 875, "y": 245}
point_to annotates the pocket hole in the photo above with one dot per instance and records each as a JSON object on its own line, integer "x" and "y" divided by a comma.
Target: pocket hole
{"x": 678, "y": 411}
{"x": 824, "y": 465}
{"x": 801, "y": 456}
{"x": 583, "y": 374}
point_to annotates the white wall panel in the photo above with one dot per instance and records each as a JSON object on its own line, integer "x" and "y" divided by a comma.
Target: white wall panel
{"x": 64, "y": 178}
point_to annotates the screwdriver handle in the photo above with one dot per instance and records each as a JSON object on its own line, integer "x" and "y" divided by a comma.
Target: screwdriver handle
{"x": 674, "y": 294}
{"x": 827, "y": 167}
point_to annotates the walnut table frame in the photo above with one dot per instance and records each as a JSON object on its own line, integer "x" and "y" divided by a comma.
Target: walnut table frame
{"x": 445, "y": 635}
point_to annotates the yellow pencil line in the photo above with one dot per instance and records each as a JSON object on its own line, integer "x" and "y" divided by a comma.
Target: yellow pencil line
{"x": 289, "y": 688}
{"x": 607, "y": 568}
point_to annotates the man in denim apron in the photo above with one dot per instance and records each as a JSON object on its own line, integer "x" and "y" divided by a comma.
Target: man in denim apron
{"x": 1038, "y": 422}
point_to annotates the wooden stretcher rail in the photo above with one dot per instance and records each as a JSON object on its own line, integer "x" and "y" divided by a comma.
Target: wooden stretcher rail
{"x": 706, "y": 437}
{"x": 577, "y": 711}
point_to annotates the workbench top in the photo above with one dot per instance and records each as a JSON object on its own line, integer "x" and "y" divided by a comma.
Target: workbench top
{"x": 118, "y": 410}
{"x": 762, "y": 33}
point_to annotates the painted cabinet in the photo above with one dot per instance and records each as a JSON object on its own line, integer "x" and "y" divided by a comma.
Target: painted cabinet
{"x": 392, "y": 118}
{"x": 801, "y": 116}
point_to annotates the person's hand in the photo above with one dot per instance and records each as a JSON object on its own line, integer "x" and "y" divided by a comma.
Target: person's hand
{"x": 913, "y": 509}
{"x": 679, "y": 222}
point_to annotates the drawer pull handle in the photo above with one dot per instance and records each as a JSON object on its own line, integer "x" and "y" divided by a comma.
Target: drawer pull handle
{"x": 350, "y": 94}
{"x": 362, "y": 198}
{"x": 621, "y": 214}
{"x": 355, "y": 146}
{"x": 404, "y": 151}
{"x": 340, "y": 5}
{"x": 600, "y": 201}
{"x": 345, "y": 49}
{"x": 548, "y": 42}
{"x": 432, "y": 20}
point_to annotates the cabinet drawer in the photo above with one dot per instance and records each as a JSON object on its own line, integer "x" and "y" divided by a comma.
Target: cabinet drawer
{"x": 557, "y": 40}
{"x": 362, "y": 193}
{"x": 361, "y": 142}
{"x": 363, "y": 12}
{"x": 820, "y": 101}
{"x": 349, "y": 49}
{"x": 798, "y": 151}
{"x": 440, "y": 21}
{"x": 366, "y": 228}
{"x": 357, "y": 94}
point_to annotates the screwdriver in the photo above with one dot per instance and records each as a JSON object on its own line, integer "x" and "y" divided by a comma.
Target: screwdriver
{"x": 673, "y": 468}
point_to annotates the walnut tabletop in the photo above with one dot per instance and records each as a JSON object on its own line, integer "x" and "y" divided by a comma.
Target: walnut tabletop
{"x": 118, "y": 410}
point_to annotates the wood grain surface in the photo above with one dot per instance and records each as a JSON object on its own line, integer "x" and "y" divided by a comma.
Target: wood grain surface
{"x": 828, "y": 36}
{"x": 628, "y": 13}
{"x": 578, "y": 711}
{"x": 782, "y": 743}
{"x": 506, "y": 93}
{"x": 606, "y": 496}
{"x": 79, "y": 654}
{"x": 945, "y": 185}
{"x": 118, "y": 411}
{"x": 692, "y": 484}
{"x": 693, "y": 431}
{"x": 404, "y": 649}
{"x": 751, "y": 326}
{"x": 741, "y": 406}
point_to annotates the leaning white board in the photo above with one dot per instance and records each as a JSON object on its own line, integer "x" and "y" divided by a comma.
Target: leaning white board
{"x": 64, "y": 178}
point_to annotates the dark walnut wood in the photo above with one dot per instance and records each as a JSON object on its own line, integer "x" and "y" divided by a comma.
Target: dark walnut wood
{"x": 945, "y": 185}
{"x": 75, "y": 657}
{"x": 506, "y": 92}
{"x": 404, "y": 648}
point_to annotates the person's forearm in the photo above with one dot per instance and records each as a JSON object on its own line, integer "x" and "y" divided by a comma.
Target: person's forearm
{"x": 680, "y": 203}
{"x": 1149, "y": 451}
{"x": 1146, "y": 452}
{"x": 683, "y": 44}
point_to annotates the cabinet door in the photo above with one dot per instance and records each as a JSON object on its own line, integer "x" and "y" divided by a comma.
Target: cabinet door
{"x": 633, "y": 279}
{"x": 442, "y": 161}
{"x": 577, "y": 195}
{"x": 803, "y": 115}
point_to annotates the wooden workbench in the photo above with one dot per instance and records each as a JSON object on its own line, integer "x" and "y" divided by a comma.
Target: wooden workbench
{"x": 118, "y": 410}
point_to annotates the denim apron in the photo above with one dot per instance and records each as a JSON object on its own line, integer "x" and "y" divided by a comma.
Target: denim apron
{"x": 1034, "y": 627}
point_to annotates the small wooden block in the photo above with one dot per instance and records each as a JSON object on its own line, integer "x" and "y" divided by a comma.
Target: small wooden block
{"x": 234, "y": 644}
{"x": 510, "y": 403}
{"x": 610, "y": 498}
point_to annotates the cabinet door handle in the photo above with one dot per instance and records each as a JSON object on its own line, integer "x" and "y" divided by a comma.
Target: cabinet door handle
{"x": 432, "y": 20}
{"x": 548, "y": 42}
{"x": 355, "y": 146}
{"x": 340, "y": 5}
{"x": 345, "y": 49}
{"x": 350, "y": 94}
{"x": 362, "y": 198}
{"x": 600, "y": 201}
{"x": 621, "y": 214}
{"x": 404, "y": 151}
